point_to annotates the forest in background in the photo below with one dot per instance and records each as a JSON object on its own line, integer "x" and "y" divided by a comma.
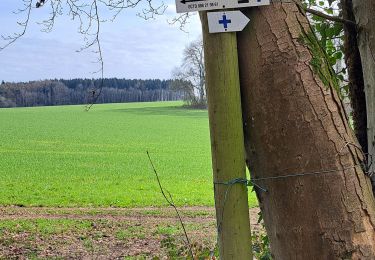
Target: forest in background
{"x": 81, "y": 91}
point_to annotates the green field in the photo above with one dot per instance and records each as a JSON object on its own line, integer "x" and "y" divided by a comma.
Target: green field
{"x": 64, "y": 156}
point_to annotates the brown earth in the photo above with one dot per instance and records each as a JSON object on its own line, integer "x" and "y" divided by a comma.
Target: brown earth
{"x": 107, "y": 233}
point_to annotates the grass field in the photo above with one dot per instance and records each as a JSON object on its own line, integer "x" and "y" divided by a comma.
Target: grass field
{"x": 65, "y": 157}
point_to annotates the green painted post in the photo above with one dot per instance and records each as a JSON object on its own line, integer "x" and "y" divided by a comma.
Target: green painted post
{"x": 227, "y": 143}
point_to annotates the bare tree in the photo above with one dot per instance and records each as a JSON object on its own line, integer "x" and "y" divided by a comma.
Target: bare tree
{"x": 191, "y": 75}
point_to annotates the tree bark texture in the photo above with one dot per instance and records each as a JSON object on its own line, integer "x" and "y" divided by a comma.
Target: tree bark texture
{"x": 356, "y": 83}
{"x": 364, "y": 11}
{"x": 227, "y": 143}
{"x": 295, "y": 124}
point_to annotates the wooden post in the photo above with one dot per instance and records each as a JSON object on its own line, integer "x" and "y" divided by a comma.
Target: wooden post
{"x": 227, "y": 145}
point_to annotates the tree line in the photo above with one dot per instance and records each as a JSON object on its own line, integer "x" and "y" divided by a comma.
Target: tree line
{"x": 80, "y": 91}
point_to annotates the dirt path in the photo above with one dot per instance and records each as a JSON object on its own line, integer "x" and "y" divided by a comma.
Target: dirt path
{"x": 106, "y": 233}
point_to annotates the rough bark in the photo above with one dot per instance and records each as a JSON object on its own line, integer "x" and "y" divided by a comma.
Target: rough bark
{"x": 295, "y": 123}
{"x": 364, "y": 11}
{"x": 356, "y": 83}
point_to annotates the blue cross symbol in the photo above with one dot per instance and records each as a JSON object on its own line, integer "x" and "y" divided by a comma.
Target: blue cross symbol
{"x": 225, "y": 21}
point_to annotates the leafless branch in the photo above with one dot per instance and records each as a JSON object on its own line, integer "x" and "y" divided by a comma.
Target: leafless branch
{"x": 181, "y": 20}
{"x": 97, "y": 92}
{"x": 151, "y": 11}
{"x": 10, "y": 39}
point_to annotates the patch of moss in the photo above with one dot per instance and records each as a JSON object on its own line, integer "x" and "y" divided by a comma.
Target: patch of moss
{"x": 319, "y": 61}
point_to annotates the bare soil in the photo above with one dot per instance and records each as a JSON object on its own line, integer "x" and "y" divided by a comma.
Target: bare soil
{"x": 107, "y": 233}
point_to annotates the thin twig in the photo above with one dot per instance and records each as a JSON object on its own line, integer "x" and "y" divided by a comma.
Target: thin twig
{"x": 100, "y": 59}
{"x": 24, "y": 24}
{"x": 181, "y": 20}
{"x": 171, "y": 203}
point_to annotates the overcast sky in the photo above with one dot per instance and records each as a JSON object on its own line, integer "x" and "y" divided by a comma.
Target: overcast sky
{"x": 132, "y": 47}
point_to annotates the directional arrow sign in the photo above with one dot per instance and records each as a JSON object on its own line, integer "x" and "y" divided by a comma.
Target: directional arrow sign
{"x": 183, "y": 6}
{"x": 229, "y": 21}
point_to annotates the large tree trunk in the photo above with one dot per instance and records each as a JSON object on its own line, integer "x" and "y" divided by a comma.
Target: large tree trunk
{"x": 295, "y": 125}
{"x": 364, "y": 11}
{"x": 356, "y": 83}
